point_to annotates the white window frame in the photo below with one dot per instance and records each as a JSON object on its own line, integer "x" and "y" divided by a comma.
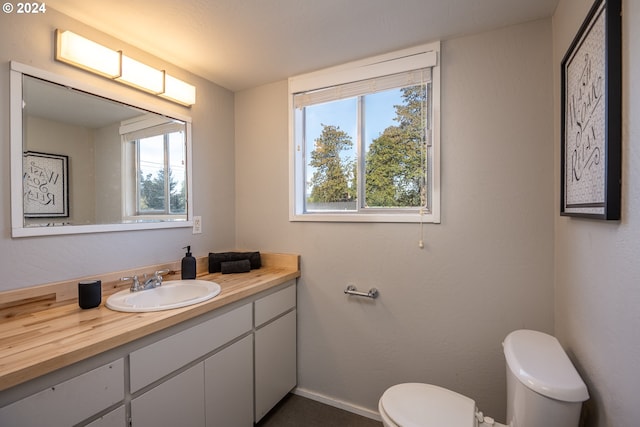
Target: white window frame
{"x": 131, "y": 131}
{"x": 424, "y": 56}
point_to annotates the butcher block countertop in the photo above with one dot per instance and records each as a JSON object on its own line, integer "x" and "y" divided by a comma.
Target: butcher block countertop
{"x": 43, "y": 329}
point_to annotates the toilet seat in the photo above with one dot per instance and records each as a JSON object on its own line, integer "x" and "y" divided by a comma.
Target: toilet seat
{"x": 426, "y": 405}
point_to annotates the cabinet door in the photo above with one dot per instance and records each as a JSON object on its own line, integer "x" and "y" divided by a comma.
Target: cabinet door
{"x": 229, "y": 386}
{"x": 178, "y": 401}
{"x": 275, "y": 362}
{"x": 115, "y": 418}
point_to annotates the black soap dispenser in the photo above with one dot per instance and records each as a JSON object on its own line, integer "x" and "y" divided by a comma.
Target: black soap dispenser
{"x": 188, "y": 265}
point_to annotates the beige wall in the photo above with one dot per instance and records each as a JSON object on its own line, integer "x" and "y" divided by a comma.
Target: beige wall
{"x": 597, "y": 272}
{"x": 486, "y": 270}
{"x": 29, "y": 39}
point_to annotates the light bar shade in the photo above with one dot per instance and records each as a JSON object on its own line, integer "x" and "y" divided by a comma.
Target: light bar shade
{"x": 83, "y": 53}
{"x": 179, "y": 91}
{"x": 86, "y": 54}
{"x": 142, "y": 76}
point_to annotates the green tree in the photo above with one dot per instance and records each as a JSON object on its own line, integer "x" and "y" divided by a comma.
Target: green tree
{"x": 152, "y": 193}
{"x": 330, "y": 180}
{"x": 177, "y": 199}
{"x": 395, "y": 172}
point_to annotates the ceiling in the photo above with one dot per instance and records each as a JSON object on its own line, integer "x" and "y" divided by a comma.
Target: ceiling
{"x": 65, "y": 105}
{"x": 241, "y": 44}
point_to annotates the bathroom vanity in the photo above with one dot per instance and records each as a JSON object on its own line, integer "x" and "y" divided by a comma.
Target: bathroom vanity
{"x": 226, "y": 361}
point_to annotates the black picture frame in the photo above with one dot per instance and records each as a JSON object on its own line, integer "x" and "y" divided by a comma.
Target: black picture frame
{"x": 591, "y": 122}
{"x": 45, "y": 185}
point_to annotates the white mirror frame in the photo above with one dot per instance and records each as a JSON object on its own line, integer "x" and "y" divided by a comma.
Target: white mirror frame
{"x": 16, "y": 133}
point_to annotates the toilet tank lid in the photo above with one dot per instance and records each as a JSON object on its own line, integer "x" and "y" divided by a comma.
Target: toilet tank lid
{"x": 539, "y": 362}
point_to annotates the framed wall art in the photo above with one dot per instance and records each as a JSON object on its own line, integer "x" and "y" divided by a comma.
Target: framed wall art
{"x": 45, "y": 185}
{"x": 591, "y": 107}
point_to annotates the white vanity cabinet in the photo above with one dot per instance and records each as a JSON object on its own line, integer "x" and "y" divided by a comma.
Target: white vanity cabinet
{"x": 178, "y": 394}
{"x": 71, "y": 401}
{"x": 261, "y": 365}
{"x": 228, "y": 367}
{"x": 170, "y": 354}
{"x": 275, "y": 348}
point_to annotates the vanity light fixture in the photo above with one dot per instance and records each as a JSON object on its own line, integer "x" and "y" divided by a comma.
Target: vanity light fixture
{"x": 90, "y": 56}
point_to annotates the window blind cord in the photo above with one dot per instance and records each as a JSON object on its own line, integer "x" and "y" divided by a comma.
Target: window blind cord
{"x": 422, "y": 165}
{"x": 421, "y": 240}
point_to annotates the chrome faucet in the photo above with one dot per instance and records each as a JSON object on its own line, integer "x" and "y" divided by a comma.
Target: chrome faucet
{"x": 150, "y": 283}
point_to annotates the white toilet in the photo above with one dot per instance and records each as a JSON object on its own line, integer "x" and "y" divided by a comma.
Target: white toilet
{"x": 543, "y": 390}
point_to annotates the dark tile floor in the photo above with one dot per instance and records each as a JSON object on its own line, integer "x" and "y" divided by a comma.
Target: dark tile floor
{"x": 297, "y": 411}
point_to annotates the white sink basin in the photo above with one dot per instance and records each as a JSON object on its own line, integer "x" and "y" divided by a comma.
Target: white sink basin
{"x": 172, "y": 294}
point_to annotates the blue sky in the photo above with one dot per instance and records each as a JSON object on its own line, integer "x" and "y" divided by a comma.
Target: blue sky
{"x": 379, "y": 112}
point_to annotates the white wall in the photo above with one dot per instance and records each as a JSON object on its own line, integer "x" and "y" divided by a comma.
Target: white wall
{"x": 108, "y": 174}
{"x": 29, "y": 39}
{"x": 486, "y": 270}
{"x": 597, "y": 270}
{"x": 53, "y": 137}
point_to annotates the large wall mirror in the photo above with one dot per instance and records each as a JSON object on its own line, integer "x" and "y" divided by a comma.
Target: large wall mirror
{"x": 84, "y": 162}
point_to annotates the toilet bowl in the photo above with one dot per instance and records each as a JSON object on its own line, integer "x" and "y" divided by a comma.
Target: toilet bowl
{"x": 543, "y": 390}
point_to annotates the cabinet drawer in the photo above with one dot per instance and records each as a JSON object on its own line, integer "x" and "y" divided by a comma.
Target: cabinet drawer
{"x": 154, "y": 361}
{"x": 272, "y": 305}
{"x": 69, "y": 402}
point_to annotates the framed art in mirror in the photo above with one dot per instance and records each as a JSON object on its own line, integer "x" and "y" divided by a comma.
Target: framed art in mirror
{"x": 46, "y": 192}
{"x": 591, "y": 108}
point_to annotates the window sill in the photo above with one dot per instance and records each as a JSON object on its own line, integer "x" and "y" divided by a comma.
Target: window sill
{"x": 429, "y": 218}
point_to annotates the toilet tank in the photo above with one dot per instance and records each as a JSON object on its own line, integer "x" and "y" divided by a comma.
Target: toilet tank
{"x": 543, "y": 387}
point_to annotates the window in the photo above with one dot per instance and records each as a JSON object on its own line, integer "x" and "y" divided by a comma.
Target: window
{"x": 155, "y": 169}
{"x": 161, "y": 174}
{"x": 364, "y": 140}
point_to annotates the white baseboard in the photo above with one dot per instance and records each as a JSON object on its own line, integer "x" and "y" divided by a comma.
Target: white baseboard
{"x": 337, "y": 403}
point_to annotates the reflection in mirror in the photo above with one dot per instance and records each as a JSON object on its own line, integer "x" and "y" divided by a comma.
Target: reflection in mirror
{"x": 92, "y": 164}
